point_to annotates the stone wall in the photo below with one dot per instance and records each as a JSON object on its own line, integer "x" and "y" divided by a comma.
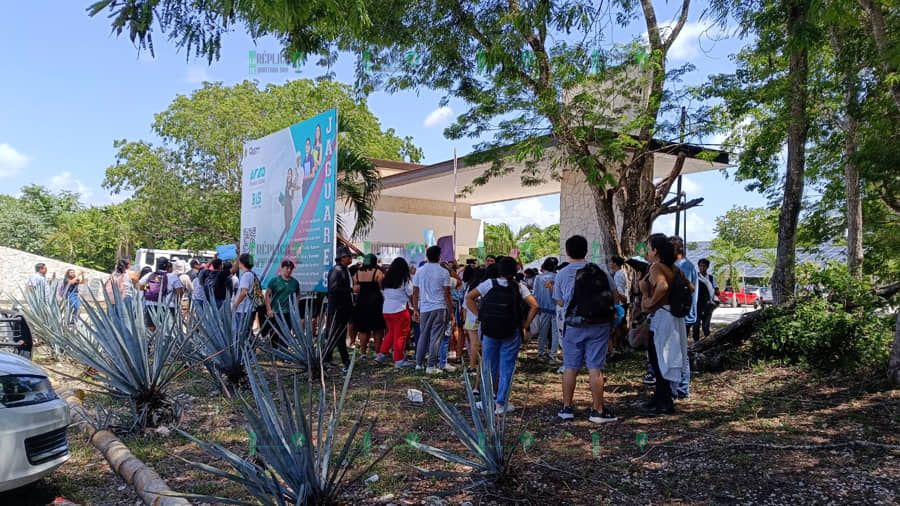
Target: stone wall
{"x": 16, "y": 267}
{"x": 577, "y": 215}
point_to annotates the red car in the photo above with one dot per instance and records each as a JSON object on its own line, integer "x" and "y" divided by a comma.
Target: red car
{"x": 743, "y": 298}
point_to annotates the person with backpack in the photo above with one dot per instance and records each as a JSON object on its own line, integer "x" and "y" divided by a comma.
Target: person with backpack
{"x": 547, "y": 331}
{"x": 585, "y": 291}
{"x": 682, "y": 389}
{"x": 666, "y": 298}
{"x": 249, "y": 300}
{"x": 162, "y": 288}
{"x": 507, "y": 308}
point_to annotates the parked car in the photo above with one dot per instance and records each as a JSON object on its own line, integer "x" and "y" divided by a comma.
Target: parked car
{"x": 744, "y": 298}
{"x": 33, "y": 423}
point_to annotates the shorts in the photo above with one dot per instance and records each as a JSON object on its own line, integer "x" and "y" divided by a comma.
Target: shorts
{"x": 585, "y": 346}
{"x": 471, "y": 323}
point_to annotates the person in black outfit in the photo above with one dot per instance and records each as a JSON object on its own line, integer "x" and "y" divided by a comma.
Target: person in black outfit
{"x": 340, "y": 306}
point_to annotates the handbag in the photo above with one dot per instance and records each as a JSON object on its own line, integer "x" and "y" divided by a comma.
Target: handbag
{"x": 639, "y": 336}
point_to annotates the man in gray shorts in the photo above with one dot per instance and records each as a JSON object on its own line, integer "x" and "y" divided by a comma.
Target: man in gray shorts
{"x": 582, "y": 344}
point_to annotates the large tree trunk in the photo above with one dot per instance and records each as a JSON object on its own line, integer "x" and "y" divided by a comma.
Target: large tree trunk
{"x": 879, "y": 32}
{"x": 798, "y": 76}
{"x": 850, "y": 126}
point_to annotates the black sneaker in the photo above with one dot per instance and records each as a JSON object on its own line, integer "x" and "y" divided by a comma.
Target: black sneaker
{"x": 649, "y": 379}
{"x": 604, "y": 416}
{"x": 566, "y": 413}
{"x": 653, "y": 409}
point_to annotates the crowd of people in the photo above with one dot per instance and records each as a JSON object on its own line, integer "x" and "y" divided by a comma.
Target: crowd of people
{"x": 429, "y": 316}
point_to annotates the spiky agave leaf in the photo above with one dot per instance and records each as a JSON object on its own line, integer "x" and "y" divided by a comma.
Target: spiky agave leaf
{"x": 293, "y": 466}
{"x": 220, "y": 342}
{"x": 132, "y": 362}
{"x": 484, "y": 437}
{"x": 303, "y": 345}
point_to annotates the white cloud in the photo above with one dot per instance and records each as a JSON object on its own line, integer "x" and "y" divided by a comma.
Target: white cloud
{"x": 518, "y": 213}
{"x": 197, "y": 74}
{"x": 438, "y": 117}
{"x": 690, "y": 186}
{"x": 11, "y": 161}
{"x": 697, "y": 228}
{"x": 65, "y": 181}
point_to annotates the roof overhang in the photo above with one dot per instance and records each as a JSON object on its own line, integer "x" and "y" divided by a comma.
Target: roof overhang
{"x": 436, "y": 182}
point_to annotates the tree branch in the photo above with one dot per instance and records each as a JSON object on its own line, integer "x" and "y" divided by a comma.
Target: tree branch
{"x": 682, "y": 19}
{"x": 663, "y": 187}
{"x": 680, "y": 207}
{"x": 652, "y": 24}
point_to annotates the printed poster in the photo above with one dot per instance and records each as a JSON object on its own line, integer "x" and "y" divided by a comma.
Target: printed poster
{"x": 288, "y": 198}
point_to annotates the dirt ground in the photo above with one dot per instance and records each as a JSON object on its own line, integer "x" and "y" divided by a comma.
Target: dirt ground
{"x": 759, "y": 434}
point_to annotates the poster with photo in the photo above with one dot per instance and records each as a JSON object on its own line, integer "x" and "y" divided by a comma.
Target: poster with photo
{"x": 287, "y": 200}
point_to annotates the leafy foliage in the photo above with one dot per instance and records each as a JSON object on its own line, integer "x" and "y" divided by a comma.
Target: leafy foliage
{"x": 840, "y": 328}
{"x": 748, "y": 227}
{"x": 532, "y": 241}
{"x": 726, "y": 257}
{"x": 296, "y": 463}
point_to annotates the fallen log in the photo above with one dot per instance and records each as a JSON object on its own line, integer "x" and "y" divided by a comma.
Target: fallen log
{"x": 709, "y": 354}
{"x": 151, "y": 488}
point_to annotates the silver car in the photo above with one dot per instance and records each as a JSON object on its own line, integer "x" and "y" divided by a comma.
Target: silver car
{"x": 33, "y": 423}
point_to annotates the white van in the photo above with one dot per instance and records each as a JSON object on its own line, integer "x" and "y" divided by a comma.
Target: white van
{"x": 147, "y": 257}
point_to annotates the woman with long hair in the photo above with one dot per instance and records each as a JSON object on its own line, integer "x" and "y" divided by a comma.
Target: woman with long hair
{"x": 666, "y": 330}
{"x": 68, "y": 291}
{"x": 368, "y": 318}
{"x": 398, "y": 289}
{"x": 287, "y": 200}
{"x": 122, "y": 279}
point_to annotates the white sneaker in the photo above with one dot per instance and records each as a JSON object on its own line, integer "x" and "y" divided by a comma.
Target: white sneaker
{"x": 419, "y": 367}
{"x": 509, "y": 408}
{"x": 449, "y": 368}
{"x": 433, "y": 370}
{"x": 478, "y": 405}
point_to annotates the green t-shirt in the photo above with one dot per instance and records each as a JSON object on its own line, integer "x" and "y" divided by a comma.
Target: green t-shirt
{"x": 281, "y": 293}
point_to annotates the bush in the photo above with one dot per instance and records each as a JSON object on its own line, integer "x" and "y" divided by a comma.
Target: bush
{"x": 839, "y": 326}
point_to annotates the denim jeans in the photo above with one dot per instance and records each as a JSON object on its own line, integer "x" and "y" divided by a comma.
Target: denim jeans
{"x": 499, "y": 357}
{"x": 547, "y": 331}
{"x": 445, "y": 346}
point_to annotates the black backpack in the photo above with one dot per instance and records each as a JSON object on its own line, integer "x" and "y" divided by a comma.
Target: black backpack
{"x": 681, "y": 294}
{"x": 501, "y": 313}
{"x": 593, "y": 297}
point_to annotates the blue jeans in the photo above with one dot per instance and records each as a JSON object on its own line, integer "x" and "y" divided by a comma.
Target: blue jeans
{"x": 445, "y": 347}
{"x": 548, "y": 334}
{"x": 499, "y": 356}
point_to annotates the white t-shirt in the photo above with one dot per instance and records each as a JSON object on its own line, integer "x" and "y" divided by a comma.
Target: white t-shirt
{"x": 487, "y": 285}
{"x": 431, "y": 279}
{"x": 39, "y": 284}
{"x": 246, "y": 281}
{"x": 172, "y": 283}
{"x": 396, "y": 299}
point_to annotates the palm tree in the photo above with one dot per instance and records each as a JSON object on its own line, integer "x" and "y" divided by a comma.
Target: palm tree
{"x": 358, "y": 184}
{"x": 726, "y": 257}
{"x": 768, "y": 261}
{"x": 498, "y": 239}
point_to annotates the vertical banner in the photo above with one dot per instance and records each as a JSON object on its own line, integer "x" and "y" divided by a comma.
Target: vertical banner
{"x": 287, "y": 200}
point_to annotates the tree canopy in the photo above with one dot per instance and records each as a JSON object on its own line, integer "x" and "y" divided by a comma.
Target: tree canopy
{"x": 751, "y": 227}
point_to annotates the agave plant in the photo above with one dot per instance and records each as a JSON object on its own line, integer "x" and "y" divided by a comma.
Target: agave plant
{"x": 304, "y": 345}
{"x": 47, "y": 314}
{"x": 220, "y": 343}
{"x": 295, "y": 461}
{"x": 490, "y": 458}
{"x": 130, "y": 361}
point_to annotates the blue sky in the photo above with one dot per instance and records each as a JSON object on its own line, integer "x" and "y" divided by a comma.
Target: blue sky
{"x": 70, "y": 89}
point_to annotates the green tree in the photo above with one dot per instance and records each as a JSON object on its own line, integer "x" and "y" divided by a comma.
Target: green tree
{"x": 188, "y": 190}
{"x": 27, "y": 221}
{"x": 753, "y": 227}
{"x": 498, "y": 239}
{"x": 726, "y": 257}
{"x": 531, "y": 73}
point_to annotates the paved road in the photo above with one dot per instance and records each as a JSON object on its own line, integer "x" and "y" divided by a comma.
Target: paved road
{"x": 726, "y": 315}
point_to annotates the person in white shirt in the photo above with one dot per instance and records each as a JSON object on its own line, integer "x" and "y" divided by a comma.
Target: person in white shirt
{"x": 432, "y": 305}
{"x": 398, "y": 289}
{"x": 243, "y": 301}
{"x": 161, "y": 288}
{"x": 504, "y": 315}
{"x": 39, "y": 285}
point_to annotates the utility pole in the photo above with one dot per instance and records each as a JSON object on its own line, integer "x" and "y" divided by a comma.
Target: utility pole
{"x": 678, "y": 194}
{"x": 455, "y": 191}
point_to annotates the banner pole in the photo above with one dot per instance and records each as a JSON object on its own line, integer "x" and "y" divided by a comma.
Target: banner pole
{"x": 455, "y": 168}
